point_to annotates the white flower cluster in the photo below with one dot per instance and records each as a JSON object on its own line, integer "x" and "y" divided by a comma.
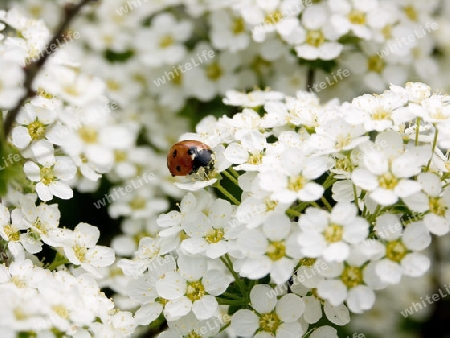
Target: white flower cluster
{"x": 60, "y": 132}
{"x": 342, "y": 199}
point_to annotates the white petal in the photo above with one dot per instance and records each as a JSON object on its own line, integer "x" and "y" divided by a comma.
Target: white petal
{"x": 244, "y": 323}
{"x": 313, "y": 220}
{"x": 314, "y": 167}
{"x": 277, "y": 227}
{"x": 259, "y": 297}
{"x": 338, "y": 315}
{"x": 310, "y": 192}
{"x": 416, "y": 236}
{"x": 236, "y": 153}
{"x": 64, "y": 168}
{"x": 215, "y": 282}
{"x": 100, "y": 256}
{"x": 177, "y": 308}
{"x": 384, "y": 197}
{"x": 336, "y": 252}
{"x": 256, "y": 268}
{"x": 406, "y": 187}
{"x": 148, "y": 313}
{"x": 43, "y": 191}
{"x": 376, "y": 162}
{"x": 192, "y": 268}
{"x": 43, "y": 152}
{"x": 197, "y": 224}
{"x": 313, "y": 310}
{"x": 206, "y": 307}
{"x": 193, "y": 246}
{"x": 360, "y": 298}
{"x": 417, "y": 202}
{"x": 324, "y": 332}
{"x": 282, "y": 270}
{"x": 312, "y": 244}
{"x": 20, "y": 137}
{"x": 364, "y": 179}
{"x": 357, "y": 231}
{"x": 32, "y": 171}
{"x": 415, "y": 264}
{"x": 171, "y": 286}
{"x": 436, "y": 224}
{"x": 290, "y": 307}
{"x": 343, "y": 213}
{"x": 388, "y": 271}
{"x": 288, "y": 330}
{"x": 431, "y": 183}
{"x": 332, "y": 290}
{"x": 61, "y": 190}
{"x": 388, "y": 226}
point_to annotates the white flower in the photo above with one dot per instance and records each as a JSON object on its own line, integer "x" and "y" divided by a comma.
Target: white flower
{"x": 41, "y": 219}
{"x": 213, "y": 75}
{"x": 267, "y": 250}
{"x": 194, "y": 288}
{"x": 162, "y": 43}
{"x": 80, "y": 247}
{"x": 337, "y": 135}
{"x": 433, "y": 199}
{"x": 269, "y": 315}
{"x": 34, "y": 121}
{"x": 208, "y": 234}
{"x": 358, "y": 17}
{"x": 320, "y": 37}
{"x": 385, "y": 173}
{"x": 349, "y": 287}
{"x": 294, "y": 179}
{"x": 328, "y": 235}
{"x": 378, "y": 113}
{"x": 228, "y": 32}
{"x": 401, "y": 257}
{"x": 435, "y": 109}
{"x": 248, "y": 153}
{"x": 143, "y": 290}
{"x": 50, "y": 178}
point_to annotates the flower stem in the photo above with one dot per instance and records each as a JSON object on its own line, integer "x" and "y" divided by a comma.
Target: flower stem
{"x": 235, "y": 302}
{"x": 227, "y": 261}
{"x": 416, "y": 142}
{"x": 57, "y": 261}
{"x": 234, "y": 172}
{"x": 292, "y": 212}
{"x": 434, "y": 147}
{"x": 327, "y": 204}
{"x": 329, "y": 181}
{"x": 231, "y": 177}
{"x": 314, "y": 204}
{"x": 226, "y": 193}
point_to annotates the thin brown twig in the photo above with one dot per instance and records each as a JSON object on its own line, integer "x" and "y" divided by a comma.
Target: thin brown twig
{"x": 310, "y": 79}
{"x": 33, "y": 69}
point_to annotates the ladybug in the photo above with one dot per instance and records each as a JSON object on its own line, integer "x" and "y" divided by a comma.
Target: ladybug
{"x": 190, "y": 157}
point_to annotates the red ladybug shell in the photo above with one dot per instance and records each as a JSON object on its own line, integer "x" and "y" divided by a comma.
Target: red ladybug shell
{"x": 187, "y": 156}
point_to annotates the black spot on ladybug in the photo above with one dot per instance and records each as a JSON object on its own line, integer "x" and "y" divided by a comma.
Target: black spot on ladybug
{"x": 174, "y": 154}
{"x": 178, "y": 168}
{"x": 191, "y": 151}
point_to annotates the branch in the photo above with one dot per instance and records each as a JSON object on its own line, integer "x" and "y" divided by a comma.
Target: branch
{"x": 310, "y": 79}
{"x": 33, "y": 69}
